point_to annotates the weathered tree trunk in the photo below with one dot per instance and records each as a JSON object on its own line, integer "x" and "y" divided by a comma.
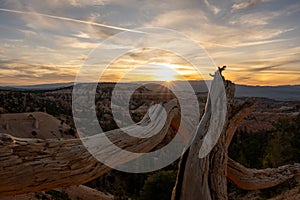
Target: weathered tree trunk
{"x": 254, "y": 179}
{"x": 31, "y": 165}
{"x": 206, "y": 178}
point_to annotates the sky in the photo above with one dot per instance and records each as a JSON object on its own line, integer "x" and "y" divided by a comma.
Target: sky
{"x": 49, "y": 41}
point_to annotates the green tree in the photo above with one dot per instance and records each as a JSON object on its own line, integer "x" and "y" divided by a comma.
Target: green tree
{"x": 159, "y": 186}
{"x": 283, "y": 146}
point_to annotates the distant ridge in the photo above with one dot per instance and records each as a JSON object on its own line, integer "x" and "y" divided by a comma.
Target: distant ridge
{"x": 40, "y": 87}
{"x": 280, "y": 93}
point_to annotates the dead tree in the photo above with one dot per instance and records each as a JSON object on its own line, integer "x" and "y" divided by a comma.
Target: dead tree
{"x": 31, "y": 165}
{"x": 206, "y": 178}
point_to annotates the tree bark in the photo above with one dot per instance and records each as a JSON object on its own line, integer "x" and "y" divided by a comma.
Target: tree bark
{"x": 254, "y": 179}
{"x": 205, "y": 178}
{"x": 31, "y": 165}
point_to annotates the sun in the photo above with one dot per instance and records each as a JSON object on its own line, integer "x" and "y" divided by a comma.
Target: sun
{"x": 166, "y": 74}
{"x": 165, "y": 78}
{"x": 168, "y": 78}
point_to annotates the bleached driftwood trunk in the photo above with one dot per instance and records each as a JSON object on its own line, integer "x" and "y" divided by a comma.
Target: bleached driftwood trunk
{"x": 31, "y": 165}
{"x": 206, "y": 178}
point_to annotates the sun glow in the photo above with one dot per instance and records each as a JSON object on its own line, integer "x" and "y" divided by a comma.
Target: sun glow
{"x": 167, "y": 72}
{"x": 170, "y": 80}
{"x": 153, "y": 71}
{"x": 168, "y": 76}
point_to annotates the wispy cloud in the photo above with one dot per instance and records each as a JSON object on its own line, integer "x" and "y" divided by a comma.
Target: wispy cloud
{"x": 82, "y": 35}
{"x": 255, "y": 19}
{"x": 79, "y": 3}
{"x": 212, "y": 7}
{"x": 69, "y": 19}
{"x": 21, "y": 71}
{"x": 246, "y": 4}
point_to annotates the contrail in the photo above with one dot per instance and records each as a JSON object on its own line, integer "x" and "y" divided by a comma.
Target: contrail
{"x": 69, "y": 19}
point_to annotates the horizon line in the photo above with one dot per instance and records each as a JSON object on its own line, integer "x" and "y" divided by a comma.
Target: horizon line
{"x": 158, "y": 81}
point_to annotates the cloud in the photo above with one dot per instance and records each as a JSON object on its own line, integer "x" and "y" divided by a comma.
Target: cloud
{"x": 212, "y": 7}
{"x": 54, "y": 3}
{"x": 265, "y": 71}
{"x": 262, "y": 42}
{"x": 74, "y": 43}
{"x": 236, "y": 31}
{"x": 80, "y": 3}
{"x": 82, "y": 35}
{"x": 67, "y": 19}
{"x": 268, "y": 64}
{"x": 246, "y": 4}
{"x": 179, "y": 19}
{"x": 255, "y": 19}
{"x": 19, "y": 71}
